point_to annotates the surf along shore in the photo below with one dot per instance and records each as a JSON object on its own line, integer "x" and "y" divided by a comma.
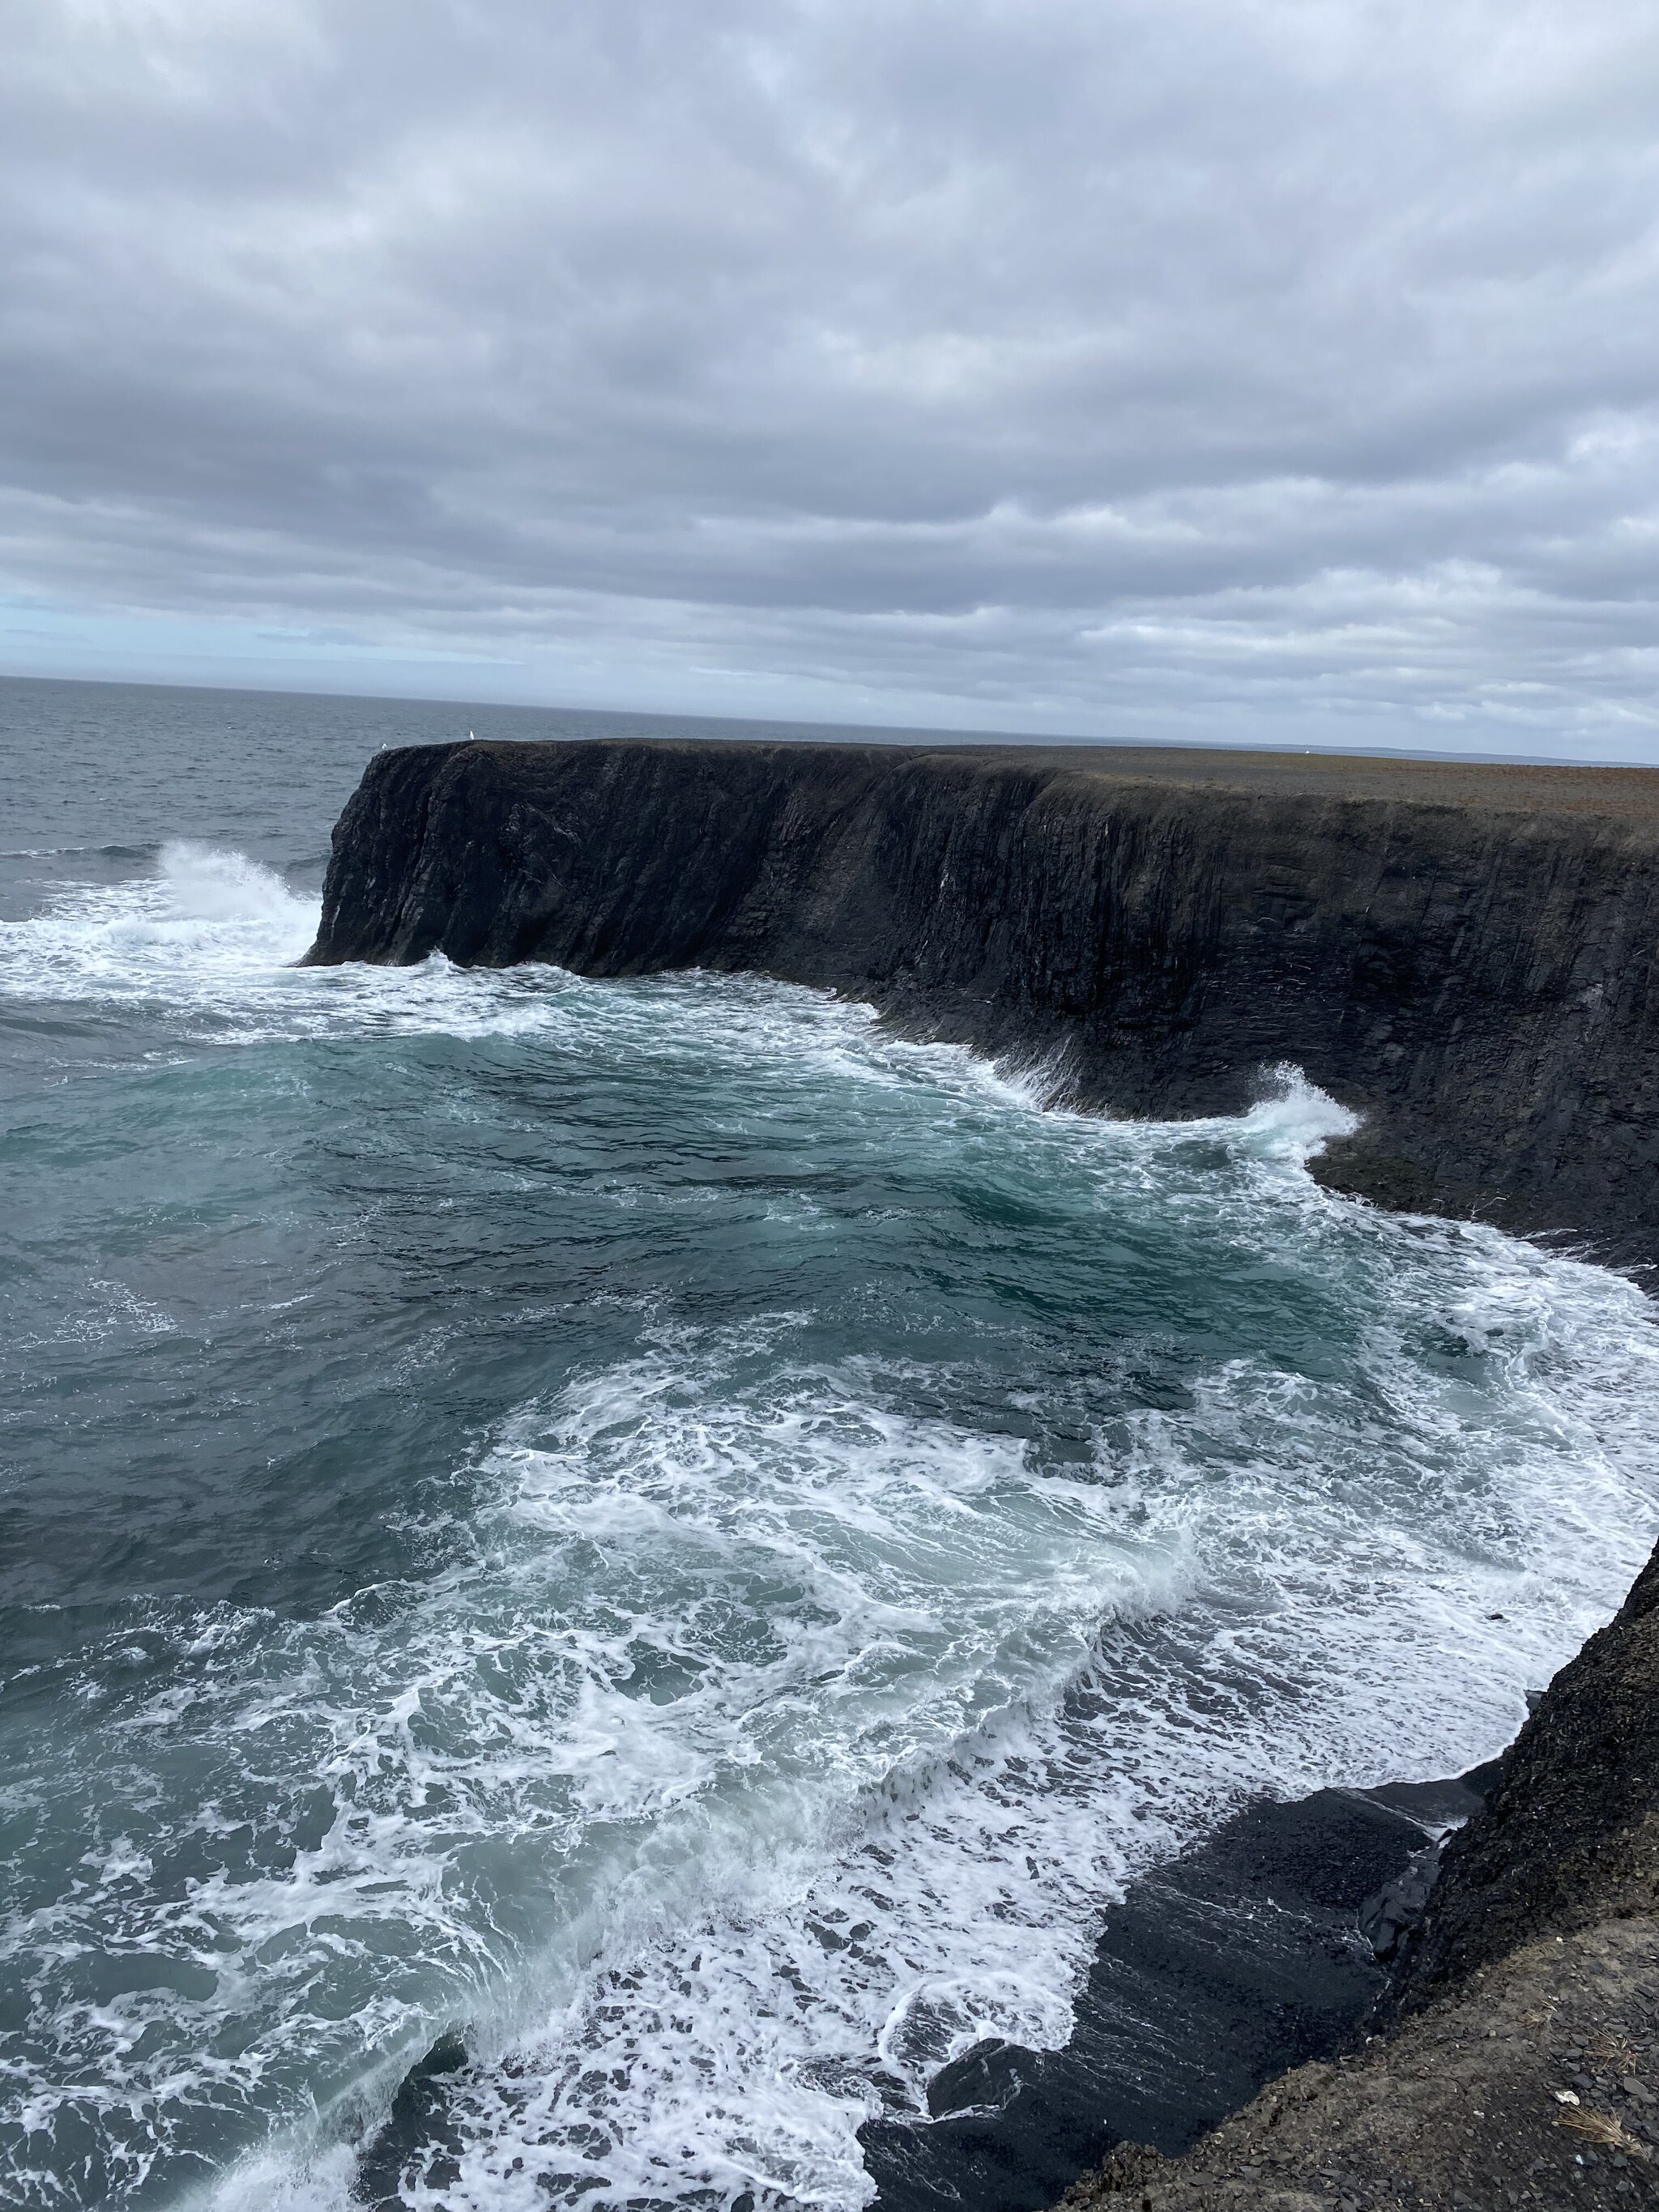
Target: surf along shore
{"x": 1465, "y": 956}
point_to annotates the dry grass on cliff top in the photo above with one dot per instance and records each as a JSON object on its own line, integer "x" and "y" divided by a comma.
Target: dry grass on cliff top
{"x": 1628, "y": 794}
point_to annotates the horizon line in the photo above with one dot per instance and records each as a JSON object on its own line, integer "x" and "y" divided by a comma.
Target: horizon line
{"x": 877, "y": 732}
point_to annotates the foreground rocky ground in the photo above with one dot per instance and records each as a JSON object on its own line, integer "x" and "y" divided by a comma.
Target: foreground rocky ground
{"x": 1516, "y": 2061}
{"x": 1464, "y": 2106}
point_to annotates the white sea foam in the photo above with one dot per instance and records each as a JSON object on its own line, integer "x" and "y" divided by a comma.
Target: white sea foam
{"x": 213, "y": 939}
{"x": 848, "y": 1845}
{"x": 205, "y": 918}
{"x": 770, "y": 1741}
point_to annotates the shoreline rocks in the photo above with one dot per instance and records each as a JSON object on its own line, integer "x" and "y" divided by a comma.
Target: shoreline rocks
{"x": 1240, "y": 1958}
{"x": 1516, "y": 2057}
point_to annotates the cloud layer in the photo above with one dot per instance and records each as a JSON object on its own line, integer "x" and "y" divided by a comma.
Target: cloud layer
{"x": 1227, "y": 368}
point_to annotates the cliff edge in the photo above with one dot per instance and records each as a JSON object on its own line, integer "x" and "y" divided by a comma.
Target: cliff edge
{"x": 1466, "y": 956}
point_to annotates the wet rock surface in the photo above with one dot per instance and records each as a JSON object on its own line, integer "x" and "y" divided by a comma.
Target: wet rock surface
{"x": 1216, "y": 1973}
{"x": 1476, "y": 2102}
{"x": 1516, "y": 2060}
{"x": 1213, "y": 1976}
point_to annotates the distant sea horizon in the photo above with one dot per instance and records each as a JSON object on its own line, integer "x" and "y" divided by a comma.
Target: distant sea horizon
{"x": 572, "y": 723}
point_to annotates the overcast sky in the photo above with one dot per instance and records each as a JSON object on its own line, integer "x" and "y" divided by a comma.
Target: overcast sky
{"x": 1258, "y": 370}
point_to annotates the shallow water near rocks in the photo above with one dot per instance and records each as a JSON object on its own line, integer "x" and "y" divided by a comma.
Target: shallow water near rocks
{"x": 657, "y": 1528}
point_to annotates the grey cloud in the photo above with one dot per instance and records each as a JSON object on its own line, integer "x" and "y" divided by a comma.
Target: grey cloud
{"x": 1201, "y": 368}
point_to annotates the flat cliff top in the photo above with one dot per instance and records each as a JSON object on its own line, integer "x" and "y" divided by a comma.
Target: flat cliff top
{"x": 1630, "y": 794}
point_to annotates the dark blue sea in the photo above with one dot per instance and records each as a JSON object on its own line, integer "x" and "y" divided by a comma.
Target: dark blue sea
{"x": 654, "y": 1528}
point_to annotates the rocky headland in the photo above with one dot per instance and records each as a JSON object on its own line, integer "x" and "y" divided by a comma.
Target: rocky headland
{"x": 1465, "y": 956}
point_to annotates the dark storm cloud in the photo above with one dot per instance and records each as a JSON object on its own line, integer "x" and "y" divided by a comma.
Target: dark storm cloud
{"x": 1197, "y": 367}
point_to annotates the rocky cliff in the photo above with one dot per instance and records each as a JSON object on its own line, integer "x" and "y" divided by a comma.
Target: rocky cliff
{"x": 1466, "y": 957}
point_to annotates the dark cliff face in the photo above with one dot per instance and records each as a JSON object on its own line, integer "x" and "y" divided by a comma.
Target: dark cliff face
{"x": 1476, "y": 979}
{"x": 1570, "y": 1834}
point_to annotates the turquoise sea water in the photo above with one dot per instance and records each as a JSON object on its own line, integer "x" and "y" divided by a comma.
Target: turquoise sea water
{"x": 655, "y": 1527}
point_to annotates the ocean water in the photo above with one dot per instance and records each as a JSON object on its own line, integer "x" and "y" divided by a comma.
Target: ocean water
{"x": 657, "y": 1529}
